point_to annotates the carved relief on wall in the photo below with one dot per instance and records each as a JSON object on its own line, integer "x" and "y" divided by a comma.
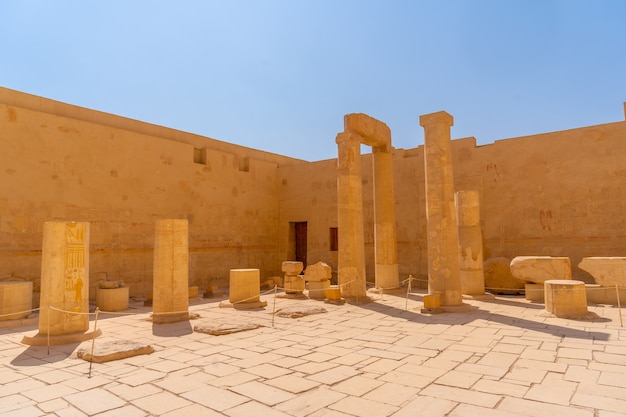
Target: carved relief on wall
{"x": 74, "y": 265}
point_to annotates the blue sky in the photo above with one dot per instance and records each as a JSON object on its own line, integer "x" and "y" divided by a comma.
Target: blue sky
{"x": 279, "y": 75}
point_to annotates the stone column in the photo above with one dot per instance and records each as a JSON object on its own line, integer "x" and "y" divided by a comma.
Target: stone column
{"x": 351, "y": 256}
{"x": 385, "y": 247}
{"x": 442, "y": 236}
{"x": 470, "y": 243}
{"x": 170, "y": 282}
{"x": 64, "y": 284}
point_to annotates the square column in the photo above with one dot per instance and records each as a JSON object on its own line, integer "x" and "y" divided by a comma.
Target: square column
{"x": 170, "y": 282}
{"x": 64, "y": 299}
{"x": 351, "y": 257}
{"x": 385, "y": 246}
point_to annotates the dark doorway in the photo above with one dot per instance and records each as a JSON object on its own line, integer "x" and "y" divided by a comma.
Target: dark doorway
{"x": 301, "y": 238}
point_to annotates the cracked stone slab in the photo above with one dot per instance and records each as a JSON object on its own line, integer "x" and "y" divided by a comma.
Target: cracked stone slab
{"x": 219, "y": 329}
{"x": 299, "y": 311}
{"x": 114, "y": 350}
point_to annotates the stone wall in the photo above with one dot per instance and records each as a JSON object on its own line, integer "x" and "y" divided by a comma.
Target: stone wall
{"x": 121, "y": 176}
{"x": 558, "y": 194}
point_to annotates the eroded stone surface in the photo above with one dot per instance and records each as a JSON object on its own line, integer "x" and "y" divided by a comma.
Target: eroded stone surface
{"x": 318, "y": 272}
{"x": 539, "y": 269}
{"x": 566, "y": 298}
{"x": 113, "y": 350}
{"x": 299, "y": 311}
{"x": 218, "y": 329}
{"x": 498, "y": 277}
{"x": 606, "y": 271}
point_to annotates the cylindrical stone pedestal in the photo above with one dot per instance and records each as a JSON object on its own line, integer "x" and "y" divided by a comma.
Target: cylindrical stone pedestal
{"x": 64, "y": 299}
{"x": 112, "y": 299}
{"x": 244, "y": 290}
{"x": 170, "y": 284}
{"x": 16, "y": 299}
{"x": 566, "y": 298}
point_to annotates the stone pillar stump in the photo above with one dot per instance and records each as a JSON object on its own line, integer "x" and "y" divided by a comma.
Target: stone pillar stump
{"x": 245, "y": 289}
{"x": 170, "y": 283}
{"x": 566, "y": 298}
{"x": 64, "y": 297}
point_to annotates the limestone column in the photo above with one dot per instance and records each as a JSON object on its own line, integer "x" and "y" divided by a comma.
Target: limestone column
{"x": 170, "y": 281}
{"x": 351, "y": 256}
{"x": 385, "y": 246}
{"x": 64, "y": 298}
{"x": 442, "y": 235}
{"x": 470, "y": 243}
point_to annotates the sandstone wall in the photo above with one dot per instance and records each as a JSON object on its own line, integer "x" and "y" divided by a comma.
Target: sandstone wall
{"x": 121, "y": 176}
{"x": 559, "y": 194}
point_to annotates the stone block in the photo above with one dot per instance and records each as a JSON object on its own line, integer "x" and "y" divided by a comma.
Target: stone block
{"x": 112, "y": 299}
{"x": 294, "y": 284}
{"x": 245, "y": 286}
{"x": 334, "y": 292}
{"x": 292, "y": 267}
{"x": 193, "y": 292}
{"x": 566, "y": 298}
{"x": 16, "y": 299}
{"x": 606, "y": 271}
{"x": 534, "y": 292}
{"x": 498, "y": 277}
{"x": 318, "y": 272}
{"x": 317, "y": 289}
{"x": 432, "y": 301}
{"x": 244, "y": 289}
{"x": 538, "y": 269}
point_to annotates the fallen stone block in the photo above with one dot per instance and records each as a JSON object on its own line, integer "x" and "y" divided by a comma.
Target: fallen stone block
{"x": 114, "y": 350}
{"x": 539, "y": 269}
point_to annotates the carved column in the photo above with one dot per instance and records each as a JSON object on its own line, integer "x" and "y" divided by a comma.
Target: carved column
{"x": 470, "y": 242}
{"x": 385, "y": 246}
{"x": 171, "y": 271}
{"x": 351, "y": 256}
{"x": 442, "y": 235}
{"x": 64, "y": 298}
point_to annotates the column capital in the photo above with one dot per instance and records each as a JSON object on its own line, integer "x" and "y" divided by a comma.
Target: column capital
{"x": 440, "y": 117}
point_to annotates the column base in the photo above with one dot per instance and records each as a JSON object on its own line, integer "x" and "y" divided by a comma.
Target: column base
{"x": 162, "y": 318}
{"x": 358, "y": 300}
{"x": 59, "y": 339}
{"x": 479, "y": 297}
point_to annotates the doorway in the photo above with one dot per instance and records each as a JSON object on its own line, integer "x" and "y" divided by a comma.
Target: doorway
{"x": 301, "y": 240}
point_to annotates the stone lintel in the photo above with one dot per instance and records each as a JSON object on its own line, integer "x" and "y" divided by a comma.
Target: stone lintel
{"x": 374, "y": 132}
{"x": 440, "y": 117}
{"x": 344, "y": 137}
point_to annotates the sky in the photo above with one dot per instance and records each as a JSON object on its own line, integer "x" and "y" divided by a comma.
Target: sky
{"x": 279, "y": 75}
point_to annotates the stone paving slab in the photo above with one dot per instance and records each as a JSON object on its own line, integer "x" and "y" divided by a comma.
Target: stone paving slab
{"x": 503, "y": 359}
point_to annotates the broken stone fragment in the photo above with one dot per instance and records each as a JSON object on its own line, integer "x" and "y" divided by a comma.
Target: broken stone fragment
{"x": 299, "y": 311}
{"x": 224, "y": 328}
{"x": 318, "y": 272}
{"x": 114, "y": 350}
{"x": 108, "y": 285}
{"x": 538, "y": 269}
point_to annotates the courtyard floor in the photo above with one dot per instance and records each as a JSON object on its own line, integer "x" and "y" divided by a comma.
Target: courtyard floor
{"x": 506, "y": 358}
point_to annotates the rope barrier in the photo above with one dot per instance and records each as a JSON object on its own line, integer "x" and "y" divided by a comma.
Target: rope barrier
{"x": 19, "y": 312}
{"x": 619, "y": 306}
{"x": 93, "y": 341}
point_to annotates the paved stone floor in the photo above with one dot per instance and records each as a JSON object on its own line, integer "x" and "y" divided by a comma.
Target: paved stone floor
{"x": 506, "y": 358}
